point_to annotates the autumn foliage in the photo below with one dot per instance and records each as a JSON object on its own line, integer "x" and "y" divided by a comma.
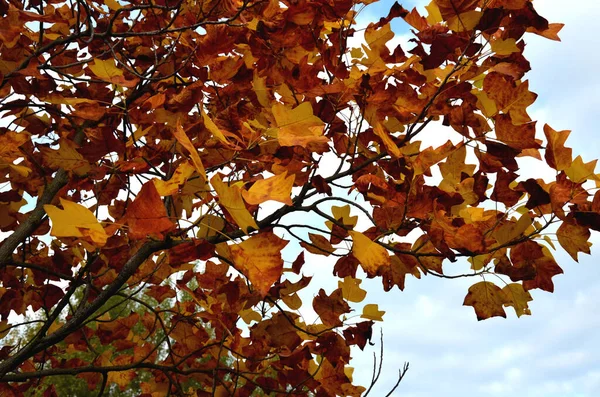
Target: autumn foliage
{"x": 161, "y": 159}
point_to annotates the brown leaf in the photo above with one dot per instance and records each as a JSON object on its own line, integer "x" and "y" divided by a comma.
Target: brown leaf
{"x": 487, "y": 299}
{"x": 330, "y": 308}
{"x": 557, "y": 155}
{"x": 574, "y": 239}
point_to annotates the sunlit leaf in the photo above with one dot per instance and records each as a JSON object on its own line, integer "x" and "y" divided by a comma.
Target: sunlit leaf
{"x": 75, "y": 220}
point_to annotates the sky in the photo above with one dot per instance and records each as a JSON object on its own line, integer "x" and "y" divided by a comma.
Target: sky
{"x": 556, "y": 351}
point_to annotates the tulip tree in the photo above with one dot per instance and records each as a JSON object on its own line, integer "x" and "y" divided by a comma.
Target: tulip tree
{"x": 156, "y": 156}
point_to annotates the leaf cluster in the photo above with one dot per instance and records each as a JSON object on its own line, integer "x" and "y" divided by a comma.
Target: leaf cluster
{"x": 157, "y": 156}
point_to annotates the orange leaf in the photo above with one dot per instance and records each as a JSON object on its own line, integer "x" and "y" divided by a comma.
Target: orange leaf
{"x": 147, "y": 214}
{"x": 319, "y": 245}
{"x": 278, "y": 188}
{"x": 230, "y": 197}
{"x": 183, "y": 139}
{"x": 107, "y": 70}
{"x": 75, "y": 220}
{"x": 170, "y": 187}
{"x": 259, "y": 259}
{"x": 451, "y": 8}
{"x": 298, "y": 126}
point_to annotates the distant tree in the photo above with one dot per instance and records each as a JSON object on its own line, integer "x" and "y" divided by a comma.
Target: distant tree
{"x": 142, "y": 139}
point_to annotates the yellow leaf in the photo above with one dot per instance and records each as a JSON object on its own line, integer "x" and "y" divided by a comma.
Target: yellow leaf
{"x": 557, "y": 155}
{"x": 371, "y": 117}
{"x": 377, "y": 38}
{"x": 580, "y": 172}
{"x": 9, "y": 144}
{"x": 342, "y": 214}
{"x": 431, "y": 156}
{"x": 372, "y": 312}
{"x": 504, "y": 47}
{"x": 230, "y": 197}
{"x": 259, "y": 259}
{"x": 212, "y": 127}
{"x": 137, "y": 135}
{"x": 370, "y": 255}
{"x": 389, "y": 144}
{"x": 349, "y": 371}
{"x": 292, "y": 301}
{"x": 183, "y": 139}
{"x": 517, "y": 297}
{"x": 487, "y": 300}
{"x": 453, "y": 169}
{"x": 260, "y": 88}
{"x": 277, "y": 188}
{"x": 351, "y": 290}
{"x": 479, "y": 261}
{"x": 485, "y": 104}
{"x": 57, "y": 99}
{"x": 107, "y": 71}
{"x": 465, "y": 21}
{"x": 75, "y": 220}
{"x": 21, "y": 169}
{"x": 210, "y": 225}
{"x": 356, "y": 53}
{"x": 312, "y": 328}
{"x": 113, "y": 4}
{"x": 298, "y": 126}
{"x": 434, "y": 15}
{"x": 473, "y": 214}
{"x": 511, "y": 230}
{"x": 319, "y": 245}
{"x": 121, "y": 378}
{"x": 253, "y": 24}
{"x": 170, "y": 187}
{"x": 250, "y": 315}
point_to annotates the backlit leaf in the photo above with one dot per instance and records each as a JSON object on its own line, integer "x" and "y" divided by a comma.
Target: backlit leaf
{"x": 170, "y": 187}
{"x": 557, "y": 155}
{"x": 230, "y": 197}
{"x": 518, "y": 298}
{"x": 278, "y": 188}
{"x": 351, "y": 290}
{"x": 75, "y": 220}
{"x": 107, "y": 70}
{"x": 504, "y": 47}
{"x": 259, "y": 258}
{"x": 147, "y": 214}
{"x": 574, "y": 239}
{"x": 298, "y": 126}
{"x": 370, "y": 254}
{"x": 372, "y": 312}
{"x": 183, "y": 139}
{"x": 579, "y": 171}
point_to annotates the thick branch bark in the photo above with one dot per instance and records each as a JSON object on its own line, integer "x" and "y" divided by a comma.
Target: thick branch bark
{"x": 26, "y": 228}
{"x": 80, "y": 316}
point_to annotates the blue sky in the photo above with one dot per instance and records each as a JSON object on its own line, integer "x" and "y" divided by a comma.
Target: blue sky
{"x": 556, "y": 351}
